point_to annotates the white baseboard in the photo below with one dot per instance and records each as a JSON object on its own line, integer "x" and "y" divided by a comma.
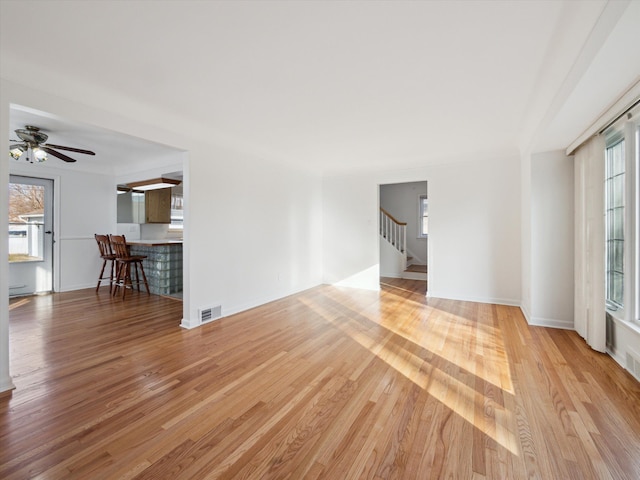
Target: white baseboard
{"x": 71, "y": 288}
{"x": 6, "y": 385}
{"x": 227, "y": 312}
{"x": 492, "y": 300}
{"x": 551, "y": 323}
{"x": 189, "y": 323}
{"x": 391, "y": 275}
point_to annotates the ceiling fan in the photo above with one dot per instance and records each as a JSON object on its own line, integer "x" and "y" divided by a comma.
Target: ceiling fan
{"x": 32, "y": 142}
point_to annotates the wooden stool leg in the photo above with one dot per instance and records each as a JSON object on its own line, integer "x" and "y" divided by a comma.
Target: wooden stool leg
{"x": 135, "y": 266}
{"x": 111, "y": 275}
{"x": 119, "y": 279}
{"x": 104, "y": 263}
{"x": 127, "y": 280}
{"x": 146, "y": 284}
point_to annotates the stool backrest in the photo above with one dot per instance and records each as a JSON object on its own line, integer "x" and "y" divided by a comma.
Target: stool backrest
{"x": 104, "y": 245}
{"x": 119, "y": 245}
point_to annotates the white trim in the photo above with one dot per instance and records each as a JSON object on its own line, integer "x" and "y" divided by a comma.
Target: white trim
{"x": 488, "y": 300}
{"x": 6, "y": 385}
{"x": 420, "y": 233}
{"x": 626, "y": 100}
{"x": 55, "y": 195}
{"x": 189, "y": 324}
{"x": 550, "y": 323}
{"x": 632, "y": 232}
{"x": 71, "y": 288}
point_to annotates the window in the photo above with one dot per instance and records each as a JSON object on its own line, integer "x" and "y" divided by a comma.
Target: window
{"x": 622, "y": 220}
{"x": 614, "y": 221}
{"x": 423, "y": 220}
{"x": 26, "y": 222}
{"x": 177, "y": 213}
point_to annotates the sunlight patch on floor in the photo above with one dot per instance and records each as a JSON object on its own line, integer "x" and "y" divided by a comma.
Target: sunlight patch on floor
{"x": 459, "y": 397}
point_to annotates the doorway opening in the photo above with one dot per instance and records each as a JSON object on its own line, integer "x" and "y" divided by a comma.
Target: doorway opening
{"x": 31, "y": 235}
{"x": 404, "y": 233}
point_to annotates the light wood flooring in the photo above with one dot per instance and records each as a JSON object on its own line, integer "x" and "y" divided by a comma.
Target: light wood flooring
{"x": 331, "y": 383}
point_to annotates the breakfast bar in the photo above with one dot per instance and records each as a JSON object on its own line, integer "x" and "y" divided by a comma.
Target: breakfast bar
{"x": 163, "y": 264}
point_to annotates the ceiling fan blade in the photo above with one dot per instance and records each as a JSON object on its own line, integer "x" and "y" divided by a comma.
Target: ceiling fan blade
{"x": 70, "y": 149}
{"x": 61, "y": 156}
{"x": 17, "y": 145}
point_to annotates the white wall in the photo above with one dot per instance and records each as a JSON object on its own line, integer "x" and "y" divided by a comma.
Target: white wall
{"x": 552, "y": 237}
{"x": 474, "y": 222}
{"x": 253, "y": 229}
{"x": 402, "y": 201}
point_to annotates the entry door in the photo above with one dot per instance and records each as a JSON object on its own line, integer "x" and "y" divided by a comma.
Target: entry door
{"x": 30, "y": 235}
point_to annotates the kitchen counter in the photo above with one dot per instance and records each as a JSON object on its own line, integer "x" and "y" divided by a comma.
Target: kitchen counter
{"x": 153, "y": 243}
{"x": 162, "y": 265}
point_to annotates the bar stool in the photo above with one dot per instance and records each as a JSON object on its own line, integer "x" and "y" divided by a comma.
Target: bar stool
{"x": 107, "y": 255}
{"x": 124, "y": 261}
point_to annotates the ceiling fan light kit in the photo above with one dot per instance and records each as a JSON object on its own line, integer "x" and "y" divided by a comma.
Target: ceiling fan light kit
{"x": 32, "y": 142}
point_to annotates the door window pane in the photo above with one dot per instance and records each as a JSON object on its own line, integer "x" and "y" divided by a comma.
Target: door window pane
{"x": 26, "y": 222}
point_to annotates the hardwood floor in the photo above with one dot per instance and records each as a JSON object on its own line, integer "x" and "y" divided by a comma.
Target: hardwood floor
{"x": 331, "y": 383}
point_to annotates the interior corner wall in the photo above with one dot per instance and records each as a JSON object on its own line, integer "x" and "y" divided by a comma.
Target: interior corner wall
{"x": 525, "y": 229}
{"x": 552, "y": 240}
{"x": 474, "y": 228}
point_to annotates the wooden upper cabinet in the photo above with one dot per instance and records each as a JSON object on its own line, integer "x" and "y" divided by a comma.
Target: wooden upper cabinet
{"x": 158, "y": 206}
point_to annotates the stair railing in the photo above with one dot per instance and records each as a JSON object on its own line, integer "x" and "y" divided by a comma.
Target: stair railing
{"x": 394, "y": 231}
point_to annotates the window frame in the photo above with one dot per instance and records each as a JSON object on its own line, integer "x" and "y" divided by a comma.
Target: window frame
{"x": 629, "y": 131}
{"x": 614, "y": 140}
{"x": 423, "y": 212}
{"x": 178, "y": 226}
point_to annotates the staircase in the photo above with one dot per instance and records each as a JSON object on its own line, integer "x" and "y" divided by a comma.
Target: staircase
{"x": 394, "y": 261}
{"x": 394, "y": 232}
{"x": 415, "y": 272}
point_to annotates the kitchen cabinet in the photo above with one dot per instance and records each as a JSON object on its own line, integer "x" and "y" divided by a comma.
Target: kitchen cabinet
{"x": 157, "y": 205}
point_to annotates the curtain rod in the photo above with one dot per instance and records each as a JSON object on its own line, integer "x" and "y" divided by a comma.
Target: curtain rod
{"x": 627, "y": 101}
{"x": 626, "y": 112}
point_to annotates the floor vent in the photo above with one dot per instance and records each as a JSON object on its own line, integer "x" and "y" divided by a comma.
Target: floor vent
{"x": 210, "y": 313}
{"x": 633, "y": 365}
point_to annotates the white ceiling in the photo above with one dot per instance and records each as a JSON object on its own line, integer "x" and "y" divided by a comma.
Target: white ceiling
{"x": 330, "y": 86}
{"x": 115, "y": 152}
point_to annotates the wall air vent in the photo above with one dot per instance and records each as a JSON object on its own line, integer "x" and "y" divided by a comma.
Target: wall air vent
{"x": 210, "y": 313}
{"x": 611, "y": 332}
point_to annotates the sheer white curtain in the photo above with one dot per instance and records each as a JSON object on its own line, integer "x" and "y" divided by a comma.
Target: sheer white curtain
{"x": 589, "y": 298}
